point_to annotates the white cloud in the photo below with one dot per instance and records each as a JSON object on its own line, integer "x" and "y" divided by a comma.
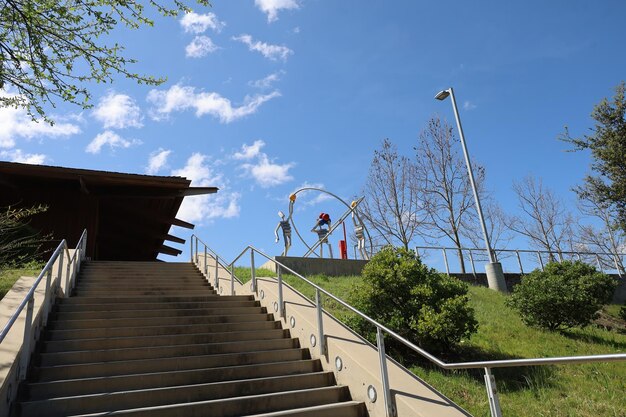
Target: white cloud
{"x": 199, "y": 23}
{"x": 200, "y": 46}
{"x": 268, "y": 174}
{"x": 271, "y": 7}
{"x": 468, "y": 105}
{"x": 16, "y": 155}
{"x": 267, "y": 81}
{"x": 249, "y": 151}
{"x": 202, "y": 208}
{"x": 179, "y": 98}
{"x": 118, "y": 111}
{"x": 273, "y": 52}
{"x": 16, "y": 123}
{"x": 112, "y": 139}
{"x": 157, "y": 160}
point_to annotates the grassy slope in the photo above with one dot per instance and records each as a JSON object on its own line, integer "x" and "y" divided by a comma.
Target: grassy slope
{"x": 9, "y": 276}
{"x": 575, "y": 390}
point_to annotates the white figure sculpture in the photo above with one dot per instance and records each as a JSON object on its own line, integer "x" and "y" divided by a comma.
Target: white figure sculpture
{"x": 286, "y": 229}
{"x": 322, "y": 233}
{"x": 359, "y": 232}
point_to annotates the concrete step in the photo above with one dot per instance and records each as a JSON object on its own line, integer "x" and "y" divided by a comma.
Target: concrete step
{"x": 117, "y": 383}
{"x": 113, "y": 355}
{"x": 156, "y": 321}
{"x": 107, "y": 402}
{"x": 147, "y": 299}
{"x": 106, "y": 332}
{"x": 124, "y": 314}
{"x": 136, "y": 293}
{"x": 155, "y": 306}
{"x": 240, "y": 406}
{"x": 177, "y": 363}
{"x": 343, "y": 409}
{"x": 160, "y": 340}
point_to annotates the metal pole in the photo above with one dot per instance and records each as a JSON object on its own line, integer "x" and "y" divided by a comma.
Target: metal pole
{"x": 60, "y": 272}
{"x": 46, "y": 302}
{"x": 519, "y": 260}
{"x": 492, "y": 393}
{"x": 253, "y": 271}
{"x": 232, "y": 279}
{"x": 206, "y": 265}
{"x": 445, "y": 260}
{"x": 384, "y": 375}
{"x": 217, "y": 265}
{"x": 540, "y": 260}
{"x": 25, "y": 356}
{"x": 191, "y": 249}
{"x": 320, "y": 322}
{"x": 472, "y": 262}
{"x": 280, "y": 291}
{"x": 196, "y": 260}
{"x": 68, "y": 289}
{"x": 471, "y": 178}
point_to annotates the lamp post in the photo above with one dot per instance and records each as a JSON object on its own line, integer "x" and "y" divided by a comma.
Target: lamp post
{"x": 495, "y": 275}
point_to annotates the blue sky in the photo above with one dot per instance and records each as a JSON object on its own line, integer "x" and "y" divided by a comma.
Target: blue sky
{"x": 263, "y": 97}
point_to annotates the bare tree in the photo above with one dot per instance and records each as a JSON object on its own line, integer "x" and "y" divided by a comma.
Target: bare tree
{"x": 443, "y": 181}
{"x": 546, "y": 223}
{"x": 497, "y": 222}
{"x": 608, "y": 238}
{"x": 391, "y": 204}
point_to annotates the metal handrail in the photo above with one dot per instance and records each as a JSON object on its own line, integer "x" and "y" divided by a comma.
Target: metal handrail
{"x": 616, "y": 258}
{"x": 486, "y": 365}
{"x": 73, "y": 263}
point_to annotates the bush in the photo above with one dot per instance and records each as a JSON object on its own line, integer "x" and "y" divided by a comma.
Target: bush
{"x": 423, "y": 306}
{"x": 565, "y": 295}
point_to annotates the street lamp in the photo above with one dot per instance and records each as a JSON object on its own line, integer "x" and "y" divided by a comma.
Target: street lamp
{"x": 495, "y": 275}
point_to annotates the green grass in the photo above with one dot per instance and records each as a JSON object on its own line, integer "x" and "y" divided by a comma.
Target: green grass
{"x": 613, "y": 310}
{"x": 586, "y": 390}
{"x": 8, "y": 276}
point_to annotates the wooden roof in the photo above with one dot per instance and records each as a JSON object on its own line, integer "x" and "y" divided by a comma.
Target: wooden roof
{"x": 128, "y": 216}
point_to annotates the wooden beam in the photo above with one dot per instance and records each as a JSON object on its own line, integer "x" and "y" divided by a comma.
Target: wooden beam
{"x": 174, "y": 239}
{"x": 167, "y": 250}
{"x": 182, "y": 223}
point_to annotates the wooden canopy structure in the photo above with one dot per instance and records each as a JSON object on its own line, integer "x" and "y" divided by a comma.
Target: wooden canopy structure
{"x": 127, "y": 216}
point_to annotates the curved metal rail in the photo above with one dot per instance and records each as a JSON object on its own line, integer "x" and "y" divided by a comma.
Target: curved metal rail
{"x": 490, "y": 384}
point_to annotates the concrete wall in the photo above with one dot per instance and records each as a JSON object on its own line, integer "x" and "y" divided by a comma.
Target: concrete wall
{"x": 315, "y": 266}
{"x": 11, "y": 346}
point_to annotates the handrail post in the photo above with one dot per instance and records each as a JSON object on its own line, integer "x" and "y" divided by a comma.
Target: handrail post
{"x": 191, "y": 249}
{"x": 232, "y": 279}
{"x": 540, "y": 260}
{"x": 196, "y": 259}
{"x": 60, "y": 273}
{"x": 67, "y": 277}
{"x": 445, "y": 260}
{"x": 279, "y": 273}
{"x": 492, "y": 393}
{"x": 46, "y": 302}
{"x": 252, "y": 271}
{"x": 472, "y": 262}
{"x": 28, "y": 321}
{"x": 384, "y": 374}
{"x": 519, "y": 260}
{"x": 320, "y": 322}
{"x": 217, "y": 267}
{"x": 206, "y": 266}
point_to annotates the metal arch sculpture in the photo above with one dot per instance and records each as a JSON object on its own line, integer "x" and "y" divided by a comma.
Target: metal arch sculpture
{"x": 352, "y": 209}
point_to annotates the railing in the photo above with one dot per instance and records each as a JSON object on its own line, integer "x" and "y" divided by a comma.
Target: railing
{"x": 606, "y": 262}
{"x": 72, "y": 268}
{"x": 487, "y": 366}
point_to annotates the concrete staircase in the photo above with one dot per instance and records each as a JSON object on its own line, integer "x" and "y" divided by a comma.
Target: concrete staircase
{"x": 154, "y": 339}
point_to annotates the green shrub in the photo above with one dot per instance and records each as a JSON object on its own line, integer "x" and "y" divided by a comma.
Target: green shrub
{"x": 565, "y": 295}
{"x": 423, "y": 306}
{"x": 622, "y": 312}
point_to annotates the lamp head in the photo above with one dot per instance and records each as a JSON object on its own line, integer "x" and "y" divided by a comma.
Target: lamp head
{"x": 442, "y": 95}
